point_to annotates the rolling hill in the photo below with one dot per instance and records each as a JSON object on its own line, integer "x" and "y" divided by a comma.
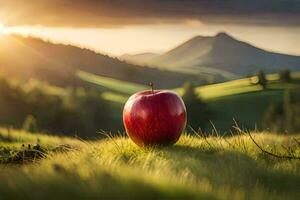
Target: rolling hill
{"x": 139, "y": 59}
{"x": 237, "y": 99}
{"x": 27, "y": 58}
{"x": 223, "y": 53}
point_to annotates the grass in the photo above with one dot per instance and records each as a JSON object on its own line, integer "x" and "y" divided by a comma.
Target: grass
{"x": 15, "y": 139}
{"x": 194, "y": 168}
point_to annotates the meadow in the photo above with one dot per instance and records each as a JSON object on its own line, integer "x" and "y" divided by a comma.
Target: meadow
{"x": 67, "y": 72}
{"x": 202, "y": 165}
{"x": 196, "y": 167}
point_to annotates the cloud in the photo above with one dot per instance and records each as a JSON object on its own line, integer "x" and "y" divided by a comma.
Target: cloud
{"x": 103, "y": 13}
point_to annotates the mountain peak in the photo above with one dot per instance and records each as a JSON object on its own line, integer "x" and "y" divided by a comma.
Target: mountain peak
{"x": 225, "y": 52}
{"x": 222, "y": 35}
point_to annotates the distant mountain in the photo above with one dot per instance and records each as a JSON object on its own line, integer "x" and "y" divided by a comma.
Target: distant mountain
{"x": 27, "y": 58}
{"x": 140, "y": 59}
{"x": 225, "y": 53}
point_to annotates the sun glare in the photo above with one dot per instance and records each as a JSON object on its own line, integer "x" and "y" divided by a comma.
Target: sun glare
{"x": 2, "y": 29}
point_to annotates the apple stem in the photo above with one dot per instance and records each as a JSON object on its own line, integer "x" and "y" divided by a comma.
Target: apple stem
{"x": 151, "y": 85}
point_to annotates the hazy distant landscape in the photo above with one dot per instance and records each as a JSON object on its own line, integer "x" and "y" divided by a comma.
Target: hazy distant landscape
{"x": 57, "y": 64}
{"x": 201, "y": 61}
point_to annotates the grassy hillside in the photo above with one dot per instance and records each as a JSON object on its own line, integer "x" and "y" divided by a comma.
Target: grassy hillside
{"x": 207, "y": 92}
{"x": 243, "y": 101}
{"x": 211, "y": 168}
{"x": 239, "y": 99}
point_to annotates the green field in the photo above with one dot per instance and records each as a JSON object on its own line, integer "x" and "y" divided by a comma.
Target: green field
{"x": 233, "y": 100}
{"x": 194, "y": 168}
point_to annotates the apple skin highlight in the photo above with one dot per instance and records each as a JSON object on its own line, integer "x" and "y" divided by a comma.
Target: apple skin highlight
{"x": 154, "y": 118}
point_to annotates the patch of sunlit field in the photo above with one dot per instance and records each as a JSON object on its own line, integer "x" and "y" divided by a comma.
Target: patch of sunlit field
{"x": 114, "y": 85}
{"x": 243, "y": 86}
{"x": 227, "y": 88}
{"x": 196, "y": 167}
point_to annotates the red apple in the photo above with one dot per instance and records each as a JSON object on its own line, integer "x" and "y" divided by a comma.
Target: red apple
{"x": 154, "y": 117}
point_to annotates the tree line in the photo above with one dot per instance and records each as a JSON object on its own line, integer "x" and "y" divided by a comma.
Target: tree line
{"x": 78, "y": 111}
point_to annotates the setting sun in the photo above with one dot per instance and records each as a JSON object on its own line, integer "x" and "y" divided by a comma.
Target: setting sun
{"x": 2, "y": 29}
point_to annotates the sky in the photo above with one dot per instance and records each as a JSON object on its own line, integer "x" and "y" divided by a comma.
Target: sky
{"x": 116, "y": 27}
